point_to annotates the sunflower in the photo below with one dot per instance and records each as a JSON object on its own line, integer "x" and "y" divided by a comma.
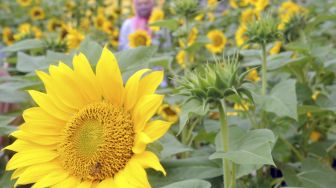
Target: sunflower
{"x": 191, "y": 38}
{"x": 24, "y": 3}
{"x": 74, "y": 38}
{"x": 253, "y": 75}
{"x": 139, "y": 38}
{"x": 24, "y": 30}
{"x": 99, "y": 21}
{"x": 259, "y": 5}
{"x": 217, "y": 41}
{"x": 248, "y": 15}
{"x": 240, "y": 35}
{"x": 212, "y": 3}
{"x": 182, "y": 58}
{"x": 89, "y": 130}
{"x": 157, "y": 14}
{"x": 287, "y": 10}
{"x": 54, "y": 24}
{"x": 314, "y": 136}
{"x": 169, "y": 112}
{"x": 37, "y": 13}
{"x": 8, "y": 36}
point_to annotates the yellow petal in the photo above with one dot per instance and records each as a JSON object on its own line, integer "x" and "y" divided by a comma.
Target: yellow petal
{"x": 71, "y": 181}
{"x": 38, "y": 115}
{"x": 51, "y": 178}
{"x": 38, "y": 139}
{"x": 133, "y": 176}
{"x": 132, "y": 88}
{"x": 107, "y": 183}
{"x": 145, "y": 109}
{"x": 148, "y": 159}
{"x": 44, "y": 101}
{"x": 86, "y": 78}
{"x": 53, "y": 90}
{"x": 109, "y": 77}
{"x": 156, "y": 129}
{"x": 18, "y": 172}
{"x": 21, "y": 145}
{"x": 35, "y": 172}
{"x": 150, "y": 83}
{"x": 42, "y": 129}
{"x": 140, "y": 142}
{"x": 85, "y": 184}
{"x": 64, "y": 81}
{"x": 30, "y": 157}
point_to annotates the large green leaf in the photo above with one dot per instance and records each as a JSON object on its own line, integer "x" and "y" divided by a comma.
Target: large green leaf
{"x": 317, "y": 175}
{"x": 247, "y": 147}
{"x": 171, "y": 146}
{"x": 193, "y": 183}
{"x": 91, "y": 49}
{"x": 281, "y": 100}
{"x": 13, "y": 96}
{"x": 24, "y": 45}
{"x": 27, "y": 63}
{"x": 6, "y": 129}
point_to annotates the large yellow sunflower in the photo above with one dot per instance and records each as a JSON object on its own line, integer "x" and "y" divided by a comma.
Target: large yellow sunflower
{"x": 217, "y": 41}
{"x": 89, "y": 130}
{"x": 139, "y": 38}
{"x": 37, "y": 13}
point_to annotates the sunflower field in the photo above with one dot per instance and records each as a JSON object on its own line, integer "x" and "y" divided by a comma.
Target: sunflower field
{"x": 168, "y": 93}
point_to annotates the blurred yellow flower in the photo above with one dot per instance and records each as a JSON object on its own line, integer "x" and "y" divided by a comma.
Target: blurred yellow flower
{"x": 240, "y": 35}
{"x": 54, "y": 24}
{"x": 139, "y": 38}
{"x": 248, "y": 15}
{"x": 217, "y": 41}
{"x": 85, "y": 23}
{"x": 182, "y": 57}
{"x": 24, "y": 3}
{"x": 315, "y": 136}
{"x": 244, "y": 106}
{"x": 238, "y": 3}
{"x": 169, "y": 112}
{"x": 157, "y": 14}
{"x": 211, "y": 17}
{"x": 276, "y": 48}
{"x": 74, "y": 38}
{"x": 37, "y": 32}
{"x": 315, "y": 95}
{"x": 99, "y": 21}
{"x": 37, "y": 13}
{"x": 212, "y": 3}
{"x": 253, "y": 75}
{"x": 287, "y": 10}
{"x": 259, "y": 5}
{"x": 8, "y": 36}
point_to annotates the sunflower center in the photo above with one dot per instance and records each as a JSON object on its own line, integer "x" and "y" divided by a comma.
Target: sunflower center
{"x": 97, "y": 142}
{"x": 169, "y": 111}
{"x": 141, "y": 40}
{"x": 217, "y": 40}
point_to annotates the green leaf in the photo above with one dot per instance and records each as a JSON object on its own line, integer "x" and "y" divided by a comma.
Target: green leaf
{"x": 247, "y": 147}
{"x": 24, "y": 45}
{"x": 27, "y": 63}
{"x": 199, "y": 43}
{"x": 5, "y": 180}
{"x": 91, "y": 49}
{"x": 188, "y": 109}
{"x": 171, "y": 146}
{"x": 13, "y": 96}
{"x": 171, "y": 24}
{"x": 281, "y": 100}
{"x": 317, "y": 175}
{"x": 193, "y": 183}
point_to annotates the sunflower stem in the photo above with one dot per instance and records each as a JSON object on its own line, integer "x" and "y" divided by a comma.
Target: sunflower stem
{"x": 225, "y": 142}
{"x": 264, "y": 69}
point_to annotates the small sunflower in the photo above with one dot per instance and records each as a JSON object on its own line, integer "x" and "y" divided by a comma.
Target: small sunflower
{"x": 54, "y": 24}
{"x": 8, "y": 36}
{"x": 276, "y": 48}
{"x": 139, "y": 38}
{"x": 212, "y": 3}
{"x": 169, "y": 112}
{"x": 74, "y": 38}
{"x": 89, "y": 129}
{"x": 24, "y": 3}
{"x": 217, "y": 41}
{"x": 248, "y": 15}
{"x": 37, "y": 13}
{"x": 253, "y": 75}
{"x": 99, "y": 21}
{"x": 240, "y": 35}
{"x": 182, "y": 57}
{"x": 314, "y": 136}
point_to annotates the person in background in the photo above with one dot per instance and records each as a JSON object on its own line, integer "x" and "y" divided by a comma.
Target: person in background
{"x": 143, "y": 10}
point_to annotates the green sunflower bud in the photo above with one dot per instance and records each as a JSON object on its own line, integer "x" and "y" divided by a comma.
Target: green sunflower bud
{"x": 214, "y": 82}
{"x": 185, "y": 8}
{"x": 293, "y": 27}
{"x": 263, "y": 30}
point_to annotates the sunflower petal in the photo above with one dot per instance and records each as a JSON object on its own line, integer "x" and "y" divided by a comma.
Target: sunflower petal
{"x": 133, "y": 176}
{"x": 85, "y": 184}
{"x": 132, "y": 88}
{"x": 31, "y": 157}
{"x": 145, "y": 109}
{"x": 107, "y": 183}
{"x": 71, "y": 181}
{"x": 109, "y": 77}
{"x": 148, "y": 159}
{"x": 52, "y": 178}
{"x": 140, "y": 142}
{"x": 21, "y": 145}
{"x": 156, "y": 129}
{"x": 150, "y": 83}
{"x": 38, "y": 139}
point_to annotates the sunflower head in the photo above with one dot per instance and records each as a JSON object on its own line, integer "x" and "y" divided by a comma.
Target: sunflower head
{"x": 169, "y": 112}
{"x": 157, "y": 14}
{"x": 89, "y": 129}
{"x": 240, "y": 36}
{"x": 217, "y": 41}
{"x": 54, "y": 24}
{"x": 8, "y": 36}
{"x": 37, "y": 13}
{"x": 74, "y": 38}
{"x": 276, "y": 48}
{"x": 139, "y": 38}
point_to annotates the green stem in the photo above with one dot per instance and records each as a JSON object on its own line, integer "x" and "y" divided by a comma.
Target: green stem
{"x": 264, "y": 70}
{"x": 225, "y": 142}
{"x": 233, "y": 180}
{"x": 296, "y": 152}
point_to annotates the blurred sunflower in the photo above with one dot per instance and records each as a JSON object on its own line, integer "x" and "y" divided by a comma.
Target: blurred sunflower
{"x": 8, "y": 36}
{"x": 139, "y": 38}
{"x": 314, "y": 136}
{"x": 85, "y": 23}
{"x": 287, "y": 10}
{"x": 259, "y": 5}
{"x": 253, "y": 75}
{"x": 182, "y": 57}
{"x": 99, "y": 21}
{"x": 276, "y": 48}
{"x": 169, "y": 112}
{"x": 93, "y": 138}
{"x": 24, "y": 3}
{"x": 37, "y": 32}
{"x": 54, "y": 24}
{"x": 212, "y": 3}
{"x": 74, "y": 38}
{"x": 240, "y": 35}
{"x": 248, "y": 15}
{"x": 24, "y": 30}
{"x": 37, "y": 13}
{"x": 217, "y": 41}
{"x": 238, "y": 3}
{"x": 157, "y": 14}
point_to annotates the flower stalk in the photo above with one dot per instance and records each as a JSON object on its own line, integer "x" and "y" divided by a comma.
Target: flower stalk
{"x": 264, "y": 69}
